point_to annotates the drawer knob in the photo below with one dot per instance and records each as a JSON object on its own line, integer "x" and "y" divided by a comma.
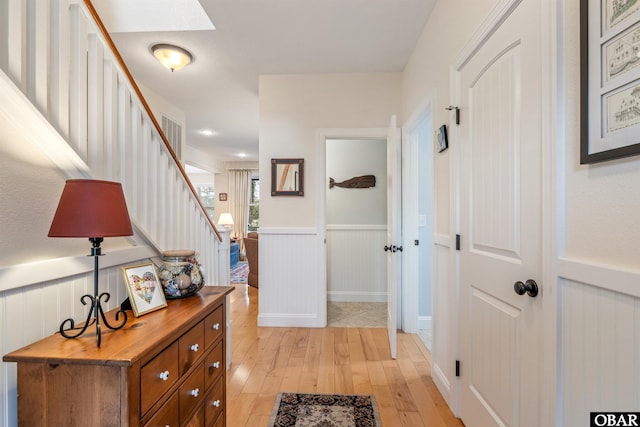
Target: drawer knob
{"x": 216, "y": 403}
{"x": 216, "y": 365}
{"x": 195, "y": 392}
{"x": 164, "y": 375}
{"x": 216, "y": 326}
{"x": 194, "y": 348}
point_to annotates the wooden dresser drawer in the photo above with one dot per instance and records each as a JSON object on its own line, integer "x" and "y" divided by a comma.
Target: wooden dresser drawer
{"x": 219, "y": 422}
{"x": 214, "y": 326}
{"x": 197, "y": 420}
{"x": 214, "y": 403}
{"x": 148, "y": 374}
{"x": 168, "y": 415}
{"x": 192, "y": 347}
{"x": 191, "y": 393}
{"x": 213, "y": 365}
{"x": 157, "y": 376}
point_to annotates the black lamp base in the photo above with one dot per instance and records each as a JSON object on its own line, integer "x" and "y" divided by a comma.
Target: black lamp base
{"x": 96, "y": 313}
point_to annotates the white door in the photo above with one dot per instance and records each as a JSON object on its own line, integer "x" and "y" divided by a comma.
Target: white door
{"x": 500, "y": 223}
{"x": 394, "y": 244}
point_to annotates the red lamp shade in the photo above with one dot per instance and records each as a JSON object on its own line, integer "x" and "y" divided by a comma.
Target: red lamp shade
{"x": 91, "y": 208}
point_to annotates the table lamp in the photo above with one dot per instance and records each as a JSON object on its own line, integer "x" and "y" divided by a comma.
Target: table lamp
{"x": 94, "y": 209}
{"x": 226, "y": 220}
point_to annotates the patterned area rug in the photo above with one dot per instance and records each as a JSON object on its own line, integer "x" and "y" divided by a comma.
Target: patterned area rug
{"x": 324, "y": 410}
{"x": 240, "y": 272}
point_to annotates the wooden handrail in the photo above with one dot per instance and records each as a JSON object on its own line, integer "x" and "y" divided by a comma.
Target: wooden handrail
{"x": 115, "y": 51}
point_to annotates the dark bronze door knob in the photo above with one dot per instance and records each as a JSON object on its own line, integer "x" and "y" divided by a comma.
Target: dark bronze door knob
{"x": 530, "y": 287}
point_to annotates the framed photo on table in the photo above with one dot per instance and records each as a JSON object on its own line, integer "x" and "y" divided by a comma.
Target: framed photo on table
{"x": 610, "y": 79}
{"x": 144, "y": 289}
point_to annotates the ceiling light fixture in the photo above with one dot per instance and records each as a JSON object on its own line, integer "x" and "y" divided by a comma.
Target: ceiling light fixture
{"x": 172, "y": 57}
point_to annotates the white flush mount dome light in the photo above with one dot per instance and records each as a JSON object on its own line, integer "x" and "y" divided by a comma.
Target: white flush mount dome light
{"x": 172, "y": 57}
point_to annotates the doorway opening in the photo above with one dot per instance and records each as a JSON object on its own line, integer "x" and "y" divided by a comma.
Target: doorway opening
{"x": 425, "y": 231}
{"x": 418, "y": 220}
{"x": 355, "y": 230}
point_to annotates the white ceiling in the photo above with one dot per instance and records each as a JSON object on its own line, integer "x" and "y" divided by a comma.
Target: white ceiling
{"x": 219, "y": 89}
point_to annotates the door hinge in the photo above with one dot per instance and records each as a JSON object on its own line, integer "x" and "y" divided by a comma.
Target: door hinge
{"x": 457, "y": 368}
{"x": 457, "y": 242}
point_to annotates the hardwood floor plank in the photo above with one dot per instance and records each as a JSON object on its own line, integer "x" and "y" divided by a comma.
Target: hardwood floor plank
{"x": 256, "y": 379}
{"x": 239, "y": 410}
{"x": 376, "y": 374}
{"x": 389, "y": 415}
{"x": 326, "y": 363}
{"x": 266, "y": 361}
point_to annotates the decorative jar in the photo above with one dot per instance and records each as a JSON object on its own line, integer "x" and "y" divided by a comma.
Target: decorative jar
{"x": 180, "y": 273}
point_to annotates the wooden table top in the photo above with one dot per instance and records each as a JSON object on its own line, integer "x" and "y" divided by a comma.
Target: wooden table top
{"x": 140, "y": 336}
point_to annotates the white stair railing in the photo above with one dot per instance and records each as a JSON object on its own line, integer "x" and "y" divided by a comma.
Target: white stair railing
{"x": 60, "y": 56}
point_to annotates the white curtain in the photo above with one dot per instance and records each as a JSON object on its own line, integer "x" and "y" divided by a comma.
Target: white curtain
{"x": 239, "y": 181}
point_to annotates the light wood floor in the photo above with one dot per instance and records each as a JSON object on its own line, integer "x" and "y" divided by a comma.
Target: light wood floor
{"x": 266, "y": 361}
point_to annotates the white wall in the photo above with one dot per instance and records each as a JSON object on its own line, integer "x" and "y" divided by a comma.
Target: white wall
{"x": 598, "y": 270}
{"x": 356, "y": 221}
{"x": 31, "y": 188}
{"x": 426, "y": 77}
{"x": 448, "y": 28}
{"x": 159, "y": 107}
{"x": 591, "y": 291}
{"x": 350, "y": 158}
{"x": 293, "y": 109}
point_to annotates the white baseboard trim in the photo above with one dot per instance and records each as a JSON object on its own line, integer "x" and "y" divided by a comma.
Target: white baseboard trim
{"x": 424, "y": 322}
{"x": 290, "y": 320}
{"x": 347, "y": 296}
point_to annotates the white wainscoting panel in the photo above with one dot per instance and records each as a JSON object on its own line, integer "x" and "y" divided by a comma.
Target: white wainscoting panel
{"x": 599, "y": 342}
{"x": 289, "y": 278}
{"x": 444, "y": 321}
{"x": 30, "y": 313}
{"x": 356, "y": 263}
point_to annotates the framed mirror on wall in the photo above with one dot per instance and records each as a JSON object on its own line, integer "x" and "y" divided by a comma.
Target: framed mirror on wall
{"x": 287, "y": 177}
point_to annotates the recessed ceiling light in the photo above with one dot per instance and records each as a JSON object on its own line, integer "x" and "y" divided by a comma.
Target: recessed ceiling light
{"x": 242, "y": 155}
{"x": 207, "y": 132}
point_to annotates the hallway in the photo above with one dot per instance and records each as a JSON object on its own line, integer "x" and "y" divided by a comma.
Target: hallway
{"x": 266, "y": 361}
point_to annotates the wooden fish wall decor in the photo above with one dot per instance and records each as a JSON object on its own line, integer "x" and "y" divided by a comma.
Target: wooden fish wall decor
{"x": 365, "y": 181}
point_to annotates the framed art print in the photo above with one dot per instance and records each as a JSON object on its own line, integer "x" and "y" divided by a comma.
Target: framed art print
{"x": 443, "y": 142}
{"x": 287, "y": 177}
{"x": 610, "y": 79}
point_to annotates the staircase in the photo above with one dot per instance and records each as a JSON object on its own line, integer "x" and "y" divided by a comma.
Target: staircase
{"x": 63, "y": 84}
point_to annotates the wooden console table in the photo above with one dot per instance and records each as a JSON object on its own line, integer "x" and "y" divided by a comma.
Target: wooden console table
{"x": 166, "y": 368}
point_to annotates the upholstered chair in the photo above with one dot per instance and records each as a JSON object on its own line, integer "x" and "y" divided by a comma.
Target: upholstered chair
{"x": 251, "y": 248}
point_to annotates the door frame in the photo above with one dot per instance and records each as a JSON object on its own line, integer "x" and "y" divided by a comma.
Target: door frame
{"x": 322, "y": 134}
{"x": 410, "y": 220}
{"x": 552, "y": 186}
